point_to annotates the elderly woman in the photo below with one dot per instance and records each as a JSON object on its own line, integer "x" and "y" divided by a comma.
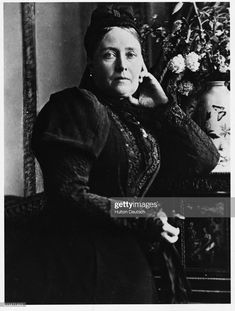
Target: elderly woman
{"x": 107, "y": 139}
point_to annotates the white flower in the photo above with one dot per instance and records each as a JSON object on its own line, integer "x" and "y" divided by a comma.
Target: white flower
{"x": 192, "y": 61}
{"x": 177, "y": 64}
{"x": 221, "y": 60}
{"x": 185, "y": 88}
{"x": 227, "y": 46}
{"x": 223, "y": 68}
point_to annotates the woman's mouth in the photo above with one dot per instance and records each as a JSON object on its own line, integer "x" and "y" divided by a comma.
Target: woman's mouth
{"x": 121, "y": 79}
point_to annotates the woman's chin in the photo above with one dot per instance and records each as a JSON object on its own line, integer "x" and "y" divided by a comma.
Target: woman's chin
{"x": 121, "y": 92}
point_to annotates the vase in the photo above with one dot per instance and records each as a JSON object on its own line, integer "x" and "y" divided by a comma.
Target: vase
{"x": 215, "y": 120}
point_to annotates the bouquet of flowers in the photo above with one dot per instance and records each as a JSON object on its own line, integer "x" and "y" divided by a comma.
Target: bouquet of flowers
{"x": 194, "y": 51}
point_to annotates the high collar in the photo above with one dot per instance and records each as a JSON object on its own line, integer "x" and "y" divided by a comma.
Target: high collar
{"x": 117, "y": 103}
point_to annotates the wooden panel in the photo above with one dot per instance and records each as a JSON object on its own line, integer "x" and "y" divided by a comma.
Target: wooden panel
{"x": 29, "y": 93}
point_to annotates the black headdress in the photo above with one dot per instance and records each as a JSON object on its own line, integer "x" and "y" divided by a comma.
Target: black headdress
{"x": 104, "y": 17}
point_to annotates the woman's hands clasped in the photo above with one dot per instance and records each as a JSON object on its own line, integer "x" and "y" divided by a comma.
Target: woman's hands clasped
{"x": 169, "y": 232}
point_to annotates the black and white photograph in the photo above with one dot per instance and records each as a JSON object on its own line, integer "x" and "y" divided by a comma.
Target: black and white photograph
{"x": 117, "y": 171}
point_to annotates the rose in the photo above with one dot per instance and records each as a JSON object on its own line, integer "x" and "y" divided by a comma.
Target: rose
{"x": 220, "y": 59}
{"x": 192, "y": 61}
{"x": 177, "y": 64}
{"x": 185, "y": 88}
{"x": 223, "y": 68}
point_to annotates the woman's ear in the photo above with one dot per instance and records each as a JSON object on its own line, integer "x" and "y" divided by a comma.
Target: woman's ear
{"x": 143, "y": 72}
{"x": 86, "y": 80}
{"x": 144, "y": 68}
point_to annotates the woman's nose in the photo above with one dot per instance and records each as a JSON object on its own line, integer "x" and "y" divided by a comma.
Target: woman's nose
{"x": 121, "y": 63}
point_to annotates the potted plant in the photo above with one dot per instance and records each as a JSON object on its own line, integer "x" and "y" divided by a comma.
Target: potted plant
{"x": 194, "y": 51}
{"x": 195, "y": 56}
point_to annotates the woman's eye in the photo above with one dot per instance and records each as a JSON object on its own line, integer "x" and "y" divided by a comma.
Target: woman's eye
{"x": 108, "y": 55}
{"x": 131, "y": 55}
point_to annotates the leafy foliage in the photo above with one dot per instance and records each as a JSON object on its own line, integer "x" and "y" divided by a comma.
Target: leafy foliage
{"x": 195, "y": 50}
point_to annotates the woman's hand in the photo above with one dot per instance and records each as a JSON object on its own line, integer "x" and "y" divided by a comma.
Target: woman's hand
{"x": 169, "y": 232}
{"x": 151, "y": 92}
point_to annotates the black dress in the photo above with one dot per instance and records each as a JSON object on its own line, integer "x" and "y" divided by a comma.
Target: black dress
{"x": 91, "y": 150}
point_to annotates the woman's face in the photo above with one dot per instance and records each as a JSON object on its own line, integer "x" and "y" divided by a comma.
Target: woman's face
{"x": 117, "y": 63}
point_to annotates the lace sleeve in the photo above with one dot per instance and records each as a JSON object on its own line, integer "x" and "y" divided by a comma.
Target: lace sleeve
{"x": 185, "y": 145}
{"x": 66, "y": 177}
